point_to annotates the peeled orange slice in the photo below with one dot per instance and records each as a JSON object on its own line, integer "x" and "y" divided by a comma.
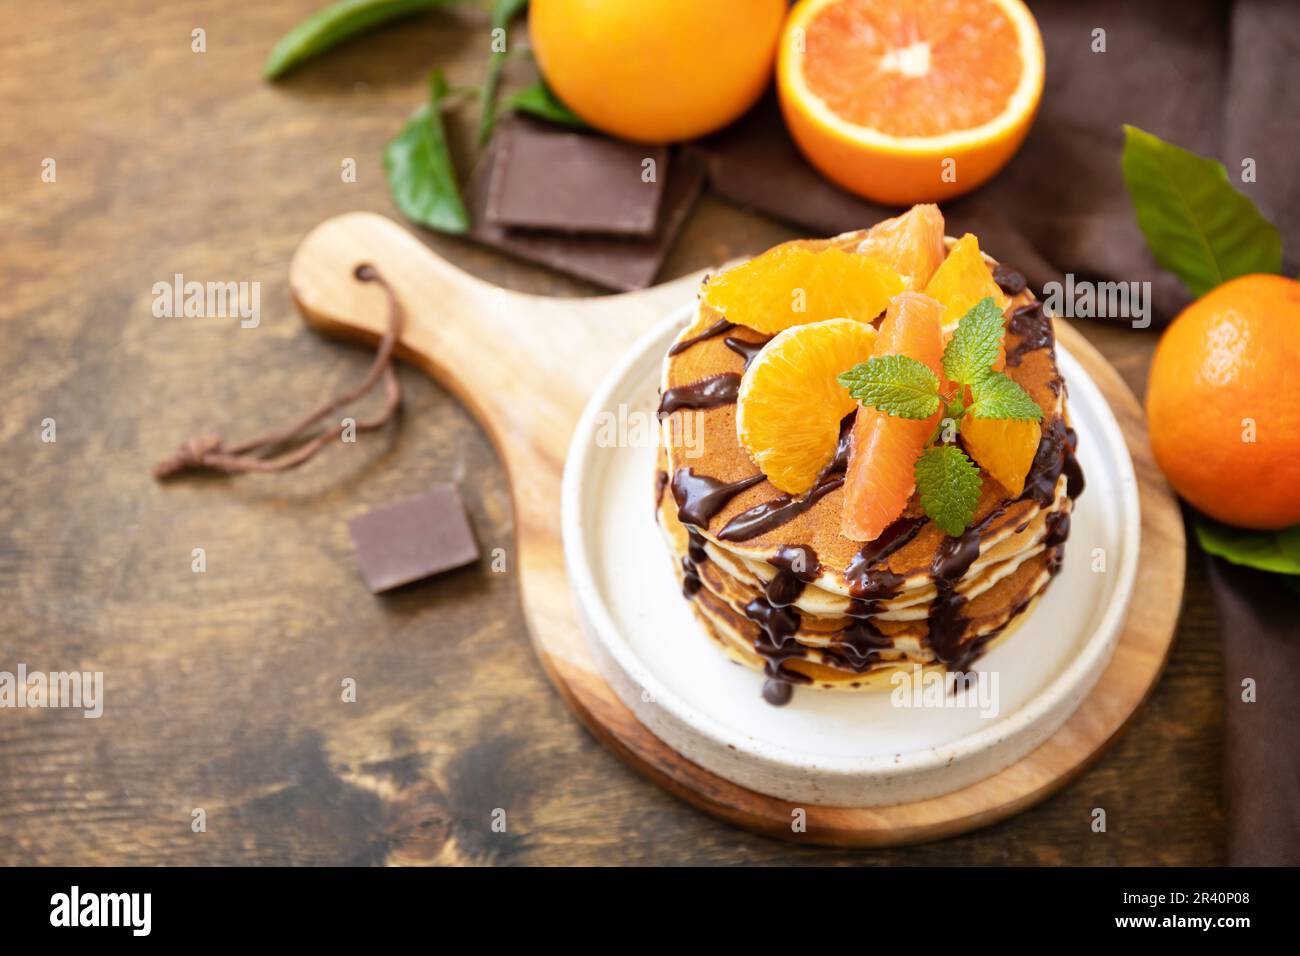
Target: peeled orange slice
{"x": 962, "y": 280}
{"x": 800, "y": 282}
{"x": 1002, "y": 447}
{"x": 880, "y": 481}
{"x": 789, "y": 407}
{"x": 910, "y": 102}
{"x": 910, "y": 244}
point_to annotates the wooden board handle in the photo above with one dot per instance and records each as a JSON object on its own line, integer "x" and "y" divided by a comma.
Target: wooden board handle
{"x": 524, "y": 364}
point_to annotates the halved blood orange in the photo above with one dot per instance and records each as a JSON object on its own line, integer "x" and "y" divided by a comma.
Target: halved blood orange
{"x": 910, "y": 102}
{"x": 800, "y": 282}
{"x": 882, "y": 457}
{"x": 910, "y": 244}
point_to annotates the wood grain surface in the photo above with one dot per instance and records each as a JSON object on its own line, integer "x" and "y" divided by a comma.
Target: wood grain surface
{"x": 223, "y": 688}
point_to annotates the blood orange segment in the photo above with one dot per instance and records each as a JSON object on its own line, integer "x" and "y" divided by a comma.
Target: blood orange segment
{"x": 884, "y": 449}
{"x": 800, "y": 282}
{"x": 1002, "y": 447}
{"x": 789, "y": 407}
{"x": 910, "y": 244}
{"x": 962, "y": 280}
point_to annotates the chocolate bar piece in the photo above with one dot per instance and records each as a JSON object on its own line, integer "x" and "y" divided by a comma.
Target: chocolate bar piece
{"x": 548, "y": 177}
{"x": 413, "y": 539}
{"x": 622, "y": 263}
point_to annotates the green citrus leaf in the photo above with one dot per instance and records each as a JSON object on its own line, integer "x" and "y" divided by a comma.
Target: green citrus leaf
{"x": 538, "y": 100}
{"x": 503, "y": 11}
{"x": 327, "y": 28}
{"x": 421, "y": 175}
{"x": 949, "y": 485}
{"x": 1276, "y": 551}
{"x": 1197, "y": 225}
{"x": 895, "y": 384}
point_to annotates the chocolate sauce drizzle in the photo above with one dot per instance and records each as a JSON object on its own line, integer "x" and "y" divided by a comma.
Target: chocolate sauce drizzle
{"x": 1034, "y": 328}
{"x": 796, "y": 567}
{"x": 771, "y": 514}
{"x": 1009, "y": 280}
{"x": 708, "y": 392}
{"x": 719, "y": 327}
{"x": 700, "y": 497}
{"x": 744, "y": 348}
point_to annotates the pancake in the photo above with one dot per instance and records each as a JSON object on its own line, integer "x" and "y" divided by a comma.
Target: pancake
{"x": 780, "y": 589}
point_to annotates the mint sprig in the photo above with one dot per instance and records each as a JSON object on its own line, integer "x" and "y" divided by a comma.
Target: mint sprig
{"x": 975, "y": 343}
{"x": 948, "y": 481}
{"x": 949, "y": 485}
{"x": 896, "y": 384}
{"x": 997, "y": 396}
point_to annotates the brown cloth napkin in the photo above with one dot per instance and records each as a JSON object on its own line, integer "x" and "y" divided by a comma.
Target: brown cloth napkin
{"x": 1218, "y": 78}
{"x": 1260, "y": 620}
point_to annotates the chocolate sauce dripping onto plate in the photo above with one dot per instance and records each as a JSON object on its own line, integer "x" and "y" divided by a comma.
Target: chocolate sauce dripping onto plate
{"x": 720, "y": 327}
{"x": 710, "y": 392}
{"x": 700, "y": 497}
{"x": 775, "y": 644}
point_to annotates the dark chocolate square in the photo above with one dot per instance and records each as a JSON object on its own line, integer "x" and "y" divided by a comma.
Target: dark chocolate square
{"x": 549, "y": 177}
{"x": 413, "y": 539}
{"x": 622, "y": 263}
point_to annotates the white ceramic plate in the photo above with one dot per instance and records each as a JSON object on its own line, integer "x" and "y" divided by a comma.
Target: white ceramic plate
{"x": 830, "y": 748}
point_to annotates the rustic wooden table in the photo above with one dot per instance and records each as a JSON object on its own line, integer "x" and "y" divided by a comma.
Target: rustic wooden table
{"x": 223, "y": 688}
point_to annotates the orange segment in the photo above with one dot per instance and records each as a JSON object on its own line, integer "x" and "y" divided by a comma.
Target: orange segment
{"x": 1003, "y": 448}
{"x": 910, "y": 102}
{"x": 789, "y": 407}
{"x": 800, "y": 282}
{"x": 880, "y": 481}
{"x": 910, "y": 244}
{"x": 962, "y": 280}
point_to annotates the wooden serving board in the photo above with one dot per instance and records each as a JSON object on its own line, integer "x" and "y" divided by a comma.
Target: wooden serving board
{"x": 525, "y": 366}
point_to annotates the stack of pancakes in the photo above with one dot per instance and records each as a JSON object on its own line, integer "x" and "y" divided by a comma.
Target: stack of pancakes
{"x": 780, "y": 589}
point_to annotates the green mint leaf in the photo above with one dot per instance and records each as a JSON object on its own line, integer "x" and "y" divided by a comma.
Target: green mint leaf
{"x": 421, "y": 175}
{"x": 540, "y": 101}
{"x": 503, "y": 11}
{"x": 949, "y": 484}
{"x": 975, "y": 343}
{"x": 1197, "y": 225}
{"x": 998, "y": 396}
{"x": 895, "y": 384}
{"x": 327, "y": 28}
{"x": 1277, "y": 551}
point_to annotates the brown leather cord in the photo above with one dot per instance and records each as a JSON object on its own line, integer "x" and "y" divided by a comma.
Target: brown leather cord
{"x": 207, "y": 452}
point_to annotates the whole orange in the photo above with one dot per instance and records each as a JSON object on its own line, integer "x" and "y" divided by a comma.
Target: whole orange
{"x": 1224, "y": 402}
{"x": 657, "y": 71}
